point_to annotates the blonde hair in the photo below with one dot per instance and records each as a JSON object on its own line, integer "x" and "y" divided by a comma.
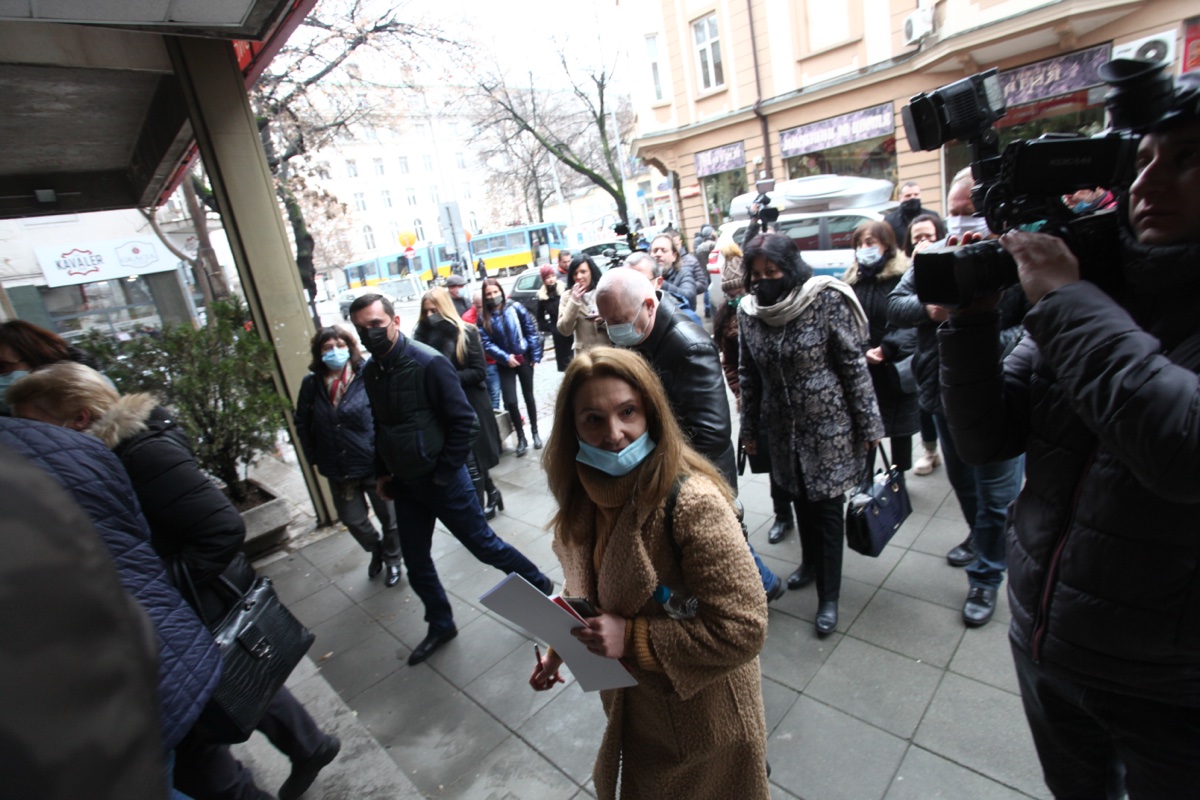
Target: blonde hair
{"x": 441, "y": 300}
{"x": 672, "y": 457}
{"x": 63, "y": 390}
{"x": 728, "y": 247}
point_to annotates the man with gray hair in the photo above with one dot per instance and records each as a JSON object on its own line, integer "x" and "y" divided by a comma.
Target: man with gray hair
{"x": 689, "y": 365}
{"x": 646, "y": 265}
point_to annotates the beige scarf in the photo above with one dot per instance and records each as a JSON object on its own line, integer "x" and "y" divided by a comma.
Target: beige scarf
{"x": 793, "y": 304}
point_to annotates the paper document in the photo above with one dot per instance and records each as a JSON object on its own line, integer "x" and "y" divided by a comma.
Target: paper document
{"x": 517, "y": 600}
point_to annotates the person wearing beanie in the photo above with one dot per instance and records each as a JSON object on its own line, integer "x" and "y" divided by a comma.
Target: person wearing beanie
{"x": 549, "y": 299}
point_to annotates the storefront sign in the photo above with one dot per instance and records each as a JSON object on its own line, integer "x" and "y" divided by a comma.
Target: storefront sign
{"x": 856, "y": 126}
{"x": 1054, "y": 76}
{"x": 1191, "y": 45}
{"x": 1051, "y": 107}
{"x": 76, "y": 263}
{"x": 720, "y": 159}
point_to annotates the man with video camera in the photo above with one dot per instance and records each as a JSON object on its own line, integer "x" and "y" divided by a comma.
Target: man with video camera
{"x": 1102, "y": 396}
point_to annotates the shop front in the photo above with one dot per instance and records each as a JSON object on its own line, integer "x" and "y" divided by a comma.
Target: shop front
{"x": 861, "y": 143}
{"x": 721, "y": 172}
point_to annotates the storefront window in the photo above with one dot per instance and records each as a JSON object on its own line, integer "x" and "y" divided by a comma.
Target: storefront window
{"x": 872, "y": 158}
{"x": 719, "y": 190}
{"x": 118, "y": 308}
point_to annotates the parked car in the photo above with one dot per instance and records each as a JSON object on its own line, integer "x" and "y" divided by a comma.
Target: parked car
{"x": 345, "y": 300}
{"x": 398, "y": 290}
{"x": 825, "y": 239}
{"x": 596, "y": 250}
{"x": 528, "y": 283}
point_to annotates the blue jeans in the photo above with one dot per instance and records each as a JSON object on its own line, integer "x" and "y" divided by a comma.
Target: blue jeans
{"x": 418, "y": 504}
{"x": 984, "y": 494}
{"x": 493, "y": 384}
{"x": 769, "y": 579}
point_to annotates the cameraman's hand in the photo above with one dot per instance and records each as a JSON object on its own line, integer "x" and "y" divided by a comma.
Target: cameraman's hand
{"x": 937, "y": 313}
{"x": 968, "y": 238}
{"x": 1044, "y": 262}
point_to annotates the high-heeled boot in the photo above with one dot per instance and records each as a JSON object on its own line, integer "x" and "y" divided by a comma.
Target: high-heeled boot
{"x": 494, "y": 501}
{"x": 522, "y": 444}
{"x": 476, "y": 477}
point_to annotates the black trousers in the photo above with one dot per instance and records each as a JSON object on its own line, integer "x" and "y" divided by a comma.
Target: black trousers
{"x": 821, "y": 527}
{"x": 508, "y": 390}
{"x": 207, "y": 771}
{"x": 1096, "y": 743}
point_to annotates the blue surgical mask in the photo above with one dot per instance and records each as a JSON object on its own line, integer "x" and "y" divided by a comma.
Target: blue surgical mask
{"x": 866, "y": 256}
{"x": 960, "y": 225}
{"x": 617, "y": 464}
{"x": 626, "y": 334}
{"x": 336, "y": 358}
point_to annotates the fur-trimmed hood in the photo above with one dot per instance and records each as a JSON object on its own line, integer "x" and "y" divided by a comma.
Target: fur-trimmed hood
{"x": 897, "y": 266}
{"x": 127, "y": 418}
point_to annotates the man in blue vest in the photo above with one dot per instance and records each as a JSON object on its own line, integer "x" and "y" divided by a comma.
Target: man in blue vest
{"x": 423, "y": 430}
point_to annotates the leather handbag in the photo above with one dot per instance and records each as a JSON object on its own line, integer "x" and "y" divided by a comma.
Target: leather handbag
{"x": 877, "y": 509}
{"x": 261, "y": 642}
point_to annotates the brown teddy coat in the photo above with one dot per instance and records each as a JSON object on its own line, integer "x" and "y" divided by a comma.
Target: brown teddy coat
{"x": 573, "y": 320}
{"x": 693, "y": 728}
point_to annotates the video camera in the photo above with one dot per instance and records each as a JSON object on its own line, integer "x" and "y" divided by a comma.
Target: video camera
{"x": 1026, "y": 182}
{"x": 766, "y": 212}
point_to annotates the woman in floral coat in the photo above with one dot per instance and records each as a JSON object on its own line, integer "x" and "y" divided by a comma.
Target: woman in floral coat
{"x": 803, "y": 376}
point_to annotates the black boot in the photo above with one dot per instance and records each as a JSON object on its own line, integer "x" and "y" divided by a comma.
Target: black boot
{"x": 537, "y": 441}
{"x": 522, "y": 445}
{"x": 780, "y": 530}
{"x": 494, "y": 501}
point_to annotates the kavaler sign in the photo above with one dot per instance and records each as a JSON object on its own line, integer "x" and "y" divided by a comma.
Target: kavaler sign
{"x": 85, "y": 262}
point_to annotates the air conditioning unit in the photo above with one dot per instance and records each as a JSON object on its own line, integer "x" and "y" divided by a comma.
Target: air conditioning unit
{"x": 1159, "y": 48}
{"x": 918, "y": 25}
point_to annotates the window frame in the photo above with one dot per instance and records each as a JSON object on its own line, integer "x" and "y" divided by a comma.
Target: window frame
{"x": 712, "y": 37}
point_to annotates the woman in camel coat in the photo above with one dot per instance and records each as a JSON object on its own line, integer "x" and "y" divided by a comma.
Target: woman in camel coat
{"x": 693, "y": 726}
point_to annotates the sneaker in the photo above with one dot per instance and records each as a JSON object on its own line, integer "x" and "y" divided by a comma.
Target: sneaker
{"x": 927, "y": 462}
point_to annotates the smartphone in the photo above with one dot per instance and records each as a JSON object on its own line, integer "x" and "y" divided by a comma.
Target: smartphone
{"x": 582, "y": 607}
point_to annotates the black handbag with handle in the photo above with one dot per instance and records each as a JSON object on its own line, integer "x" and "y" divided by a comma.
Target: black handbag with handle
{"x": 877, "y": 509}
{"x": 261, "y": 642}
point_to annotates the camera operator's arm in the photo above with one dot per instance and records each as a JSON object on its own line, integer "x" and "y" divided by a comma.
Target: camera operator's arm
{"x": 1144, "y": 408}
{"x": 905, "y": 309}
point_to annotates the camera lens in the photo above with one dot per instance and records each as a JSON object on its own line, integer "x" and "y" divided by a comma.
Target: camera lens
{"x": 1140, "y": 92}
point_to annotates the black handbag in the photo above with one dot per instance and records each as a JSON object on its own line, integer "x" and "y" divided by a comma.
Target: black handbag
{"x": 261, "y": 642}
{"x": 877, "y": 509}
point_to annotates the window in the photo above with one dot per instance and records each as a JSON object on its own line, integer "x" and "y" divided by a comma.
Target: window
{"x": 474, "y": 222}
{"x": 427, "y": 162}
{"x": 652, "y": 55}
{"x": 828, "y": 24}
{"x": 393, "y": 232}
{"x": 360, "y": 201}
{"x": 378, "y": 166}
{"x": 404, "y": 164}
{"x": 708, "y": 51}
{"x": 371, "y": 133}
{"x": 351, "y": 168}
{"x": 433, "y": 194}
{"x": 460, "y": 160}
{"x": 387, "y": 198}
{"x": 322, "y": 170}
{"x": 419, "y": 230}
{"x": 368, "y": 237}
{"x": 410, "y": 194}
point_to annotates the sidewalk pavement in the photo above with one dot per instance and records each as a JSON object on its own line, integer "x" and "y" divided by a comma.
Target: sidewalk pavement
{"x": 901, "y": 702}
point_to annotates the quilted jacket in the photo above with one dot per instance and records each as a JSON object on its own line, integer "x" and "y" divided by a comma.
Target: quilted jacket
{"x": 189, "y": 662}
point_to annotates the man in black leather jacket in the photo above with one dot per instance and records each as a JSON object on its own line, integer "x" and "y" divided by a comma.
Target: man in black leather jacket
{"x": 1104, "y": 557}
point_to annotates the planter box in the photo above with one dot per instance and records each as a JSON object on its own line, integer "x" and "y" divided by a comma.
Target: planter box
{"x": 266, "y": 526}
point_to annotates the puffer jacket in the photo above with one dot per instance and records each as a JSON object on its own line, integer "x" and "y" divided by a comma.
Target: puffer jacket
{"x": 339, "y": 440}
{"x": 1103, "y": 397}
{"x": 514, "y": 332}
{"x": 689, "y": 365}
{"x": 189, "y": 662}
{"x": 897, "y": 407}
{"x": 681, "y": 281}
{"x": 905, "y": 310}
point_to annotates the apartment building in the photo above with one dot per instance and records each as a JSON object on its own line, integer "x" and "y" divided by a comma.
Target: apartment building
{"x": 732, "y": 90}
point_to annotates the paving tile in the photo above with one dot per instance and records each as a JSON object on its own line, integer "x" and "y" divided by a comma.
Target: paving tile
{"x": 343, "y": 631}
{"x": 332, "y": 548}
{"x": 925, "y": 776}
{"x": 295, "y": 579}
{"x": 480, "y": 645}
{"x": 875, "y": 685}
{"x": 927, "y": 492}
{"x": 873, "y": 571}
{"x": 929, "y": 578}
{"x": 777, "y": 701}
{"x": 802, "y": 603}
{"x": 985, "y": 655}
{"x": 443, "y": 740}
{"x": 356, "y": 669}
{"x": 941, "y": 535}
{"x": 403, "y": 614}
{"x": 323, "y": 604}
{"x": 793, "y": 652}
{"x": 567, "y": 731}
{"x": 513, "y": 771}
{"x": 820, "y": 753}
{"x": 983, "y": 729}
{"x": 394, "y": 704}
{"x": 910, "y": 627}
{"x": 504, "y": 689}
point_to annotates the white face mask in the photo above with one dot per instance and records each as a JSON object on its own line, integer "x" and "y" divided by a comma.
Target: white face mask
{"x": 959, "y": 225}
{"x": 868, "y": 256}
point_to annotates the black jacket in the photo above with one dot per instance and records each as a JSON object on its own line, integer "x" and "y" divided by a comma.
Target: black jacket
{"x": 1103, "y": 397}
{"x": 900, "y": 221}
{"x": 423, "y": 422}
{"x": 339, "y": 441}
{"x": 689, "y": 365}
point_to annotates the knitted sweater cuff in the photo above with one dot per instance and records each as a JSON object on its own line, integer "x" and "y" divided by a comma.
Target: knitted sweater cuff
{"x": 637, "y": 642}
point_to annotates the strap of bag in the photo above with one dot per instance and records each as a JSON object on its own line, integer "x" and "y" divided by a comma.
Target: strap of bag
{"x": 183, "y": 580}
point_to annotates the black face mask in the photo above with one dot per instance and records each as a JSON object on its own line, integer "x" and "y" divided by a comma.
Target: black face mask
{"x": 767, "y": 291}
{"x": 376, "y": 341}
{"x": 911, "y": 206}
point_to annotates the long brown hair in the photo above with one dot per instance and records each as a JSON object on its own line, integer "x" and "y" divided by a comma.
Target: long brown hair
{"x": 672, "y": 457}
{"x": 445, "y": 306}
{"x": 485, "y": 312}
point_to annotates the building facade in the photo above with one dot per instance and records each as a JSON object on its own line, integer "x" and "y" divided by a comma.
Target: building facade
{"x": 734, "y": 90}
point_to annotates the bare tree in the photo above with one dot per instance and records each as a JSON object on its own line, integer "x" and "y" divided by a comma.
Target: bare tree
{"x": 575, "y": 126}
